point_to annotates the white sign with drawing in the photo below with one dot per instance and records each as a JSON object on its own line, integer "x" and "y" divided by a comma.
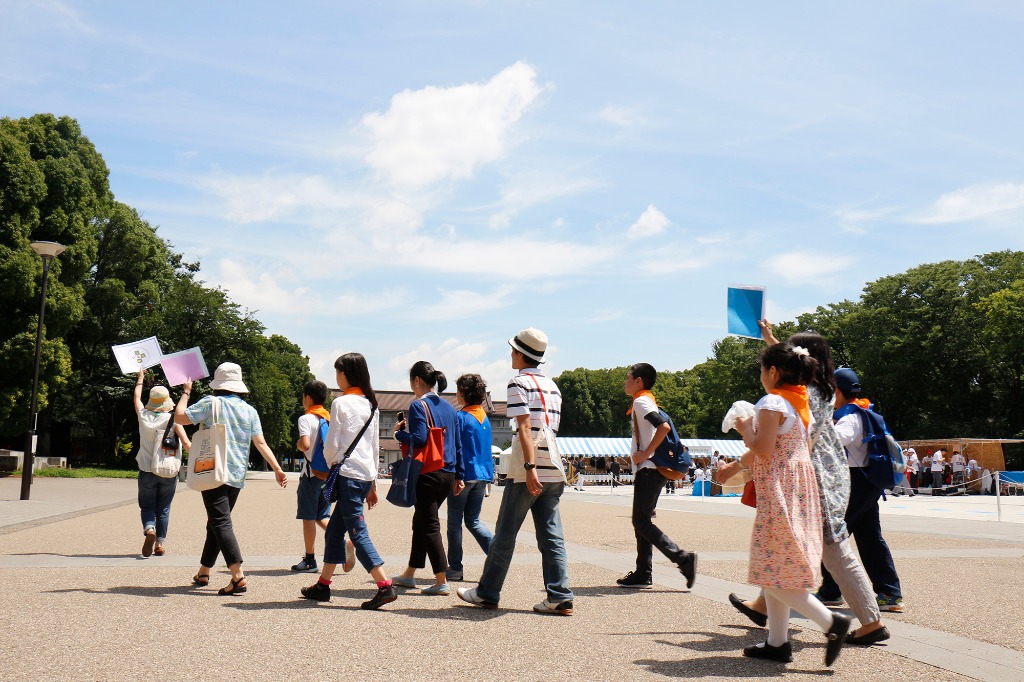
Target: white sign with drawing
{"x": 138, "y": 355}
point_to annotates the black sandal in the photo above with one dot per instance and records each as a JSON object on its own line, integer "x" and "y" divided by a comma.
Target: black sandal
{"x": 201, "y": 580}
{"x": 237, "y": 587}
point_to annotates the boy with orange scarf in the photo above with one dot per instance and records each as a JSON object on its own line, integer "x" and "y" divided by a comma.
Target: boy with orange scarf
{"x": 649, "y": 430}
{"x": 862, "y": 516}
{"x": 313, "y": 508}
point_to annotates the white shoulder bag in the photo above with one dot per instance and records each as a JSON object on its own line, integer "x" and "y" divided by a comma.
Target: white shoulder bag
{"x": 208, "y": 457}
{"x": 166, "y": 463}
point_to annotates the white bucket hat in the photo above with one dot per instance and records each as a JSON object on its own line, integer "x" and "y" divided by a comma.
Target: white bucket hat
{"x": 159, "y": 400}
{"x": 530, "y": 342}
{"x": 228, "y": 377}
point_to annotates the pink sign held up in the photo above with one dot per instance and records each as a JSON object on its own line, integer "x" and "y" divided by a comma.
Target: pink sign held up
{"x": 183, "y": 366}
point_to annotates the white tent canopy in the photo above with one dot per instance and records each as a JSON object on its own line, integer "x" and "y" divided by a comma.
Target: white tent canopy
{"x": 619, "y": 447}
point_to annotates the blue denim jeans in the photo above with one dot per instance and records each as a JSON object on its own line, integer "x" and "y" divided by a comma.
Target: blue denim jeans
{"x": 348, "y": 518}
{"x": 155, "y": 495}
{"x": 466, "y": 504}
{"x": 547, "y": 521}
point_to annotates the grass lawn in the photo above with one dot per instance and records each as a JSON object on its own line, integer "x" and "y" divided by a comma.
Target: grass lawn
{"x": 83, "y": 472}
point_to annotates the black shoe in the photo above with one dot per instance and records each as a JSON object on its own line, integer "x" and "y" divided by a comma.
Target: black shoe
{"x": 873, "y": 637}
{"x": 317, "y": 592}
{"x": 836, "y": 638}
{"x": 307, "y": 565}
{"x": 688, "y": 567}
{"x": 385, "y": 595}
{"x": 634, "y": 579}
{"x": 756, "y": 616}
{"x": 782, "y": 654}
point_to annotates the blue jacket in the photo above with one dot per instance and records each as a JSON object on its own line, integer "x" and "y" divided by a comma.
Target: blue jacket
{"x": 477, "y": 460}
{"x": 445, "y": 418}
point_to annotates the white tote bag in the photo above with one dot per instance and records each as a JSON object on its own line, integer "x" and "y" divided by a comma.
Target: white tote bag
{"x": 166, "y": 463}
{"x": 208, "y": 457}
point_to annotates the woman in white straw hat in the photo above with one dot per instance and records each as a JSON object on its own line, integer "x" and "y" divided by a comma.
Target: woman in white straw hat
{"x": 155, "y": 492}
{"x": 243, "y": 427}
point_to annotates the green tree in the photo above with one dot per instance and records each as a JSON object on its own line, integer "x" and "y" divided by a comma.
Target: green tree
{"x": 53, "y": 187}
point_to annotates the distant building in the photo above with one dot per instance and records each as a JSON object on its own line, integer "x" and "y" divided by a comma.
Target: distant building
{"x": 390, "y": 403}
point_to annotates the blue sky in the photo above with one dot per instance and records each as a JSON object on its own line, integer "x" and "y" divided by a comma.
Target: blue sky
{"x": 420, "y": 180}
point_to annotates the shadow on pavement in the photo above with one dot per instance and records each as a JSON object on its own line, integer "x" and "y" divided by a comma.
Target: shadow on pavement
{"x": 298, "y": 603}
{"x": 729, "y": 667}
{"x": 615, "y": 590}
{"x": 129, "y": 555}
{"x": 133, "y": 591}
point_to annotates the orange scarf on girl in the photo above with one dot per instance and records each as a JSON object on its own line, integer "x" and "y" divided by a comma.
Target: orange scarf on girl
{"x": 353, "y": 390}
{"x": 477, "y": 411}
{"x": 797, "y": 397}
{"x": 641, "y": 394}
{"x": 862, "y": 403}
{"x": 320, "y": 411}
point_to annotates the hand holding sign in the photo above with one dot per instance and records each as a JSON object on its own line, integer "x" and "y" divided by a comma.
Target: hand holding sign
{"x": 138, "y": 355}
{"x": 745, "y": 309}
{"x": 186, "y": 365}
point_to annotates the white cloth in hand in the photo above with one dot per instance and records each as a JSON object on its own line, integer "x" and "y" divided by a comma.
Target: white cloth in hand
{"x": 739, "y": 410}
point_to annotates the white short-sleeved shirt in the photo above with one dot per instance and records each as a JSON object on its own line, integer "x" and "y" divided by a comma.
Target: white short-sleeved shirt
{"x": 309, "y": 426}
{"x": 913, "y": 464}
{"x": 524, "y": 398}
{"x": 958, "y": 462}
{"x": 647, "y": 419}
{"x": 850, "y": 430}
{"x": 776, "y": 403}
{"x": 937, "y": 461}
{"x": 150, "y": 424}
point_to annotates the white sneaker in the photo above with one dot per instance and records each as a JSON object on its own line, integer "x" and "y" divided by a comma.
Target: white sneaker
{"x": 561, "y": 609}
{"x": 350, "y": 556}
{"x": 469, "y": 595}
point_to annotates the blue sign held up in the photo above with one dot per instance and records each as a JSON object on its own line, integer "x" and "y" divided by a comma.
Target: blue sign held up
{"x": 745, "y": 308}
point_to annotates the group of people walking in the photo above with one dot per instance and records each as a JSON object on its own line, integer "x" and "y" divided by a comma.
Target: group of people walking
{"x": 810, "y": 493}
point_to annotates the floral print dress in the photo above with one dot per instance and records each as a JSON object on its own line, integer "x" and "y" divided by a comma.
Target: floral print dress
{"x": 785, "y": 546}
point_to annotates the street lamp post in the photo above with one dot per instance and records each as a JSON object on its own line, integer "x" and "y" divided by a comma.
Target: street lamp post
{"x": 47, "y": 251}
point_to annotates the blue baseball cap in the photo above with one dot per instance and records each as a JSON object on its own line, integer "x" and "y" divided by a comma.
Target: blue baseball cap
{"x": 847, "y": 380}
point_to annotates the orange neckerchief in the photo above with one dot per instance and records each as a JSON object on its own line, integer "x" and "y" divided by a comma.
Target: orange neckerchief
{"x": 641, "y": 394}
{"x": 862, "y": 402}
{"x": 353, "y": 390}
{"x": 797, "y": 397}
{"x": 320, "y": 411}
{"x": 477, "y": 411}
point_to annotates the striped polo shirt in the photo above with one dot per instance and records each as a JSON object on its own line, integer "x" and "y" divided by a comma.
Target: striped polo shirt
{"x": 524, "y": 398}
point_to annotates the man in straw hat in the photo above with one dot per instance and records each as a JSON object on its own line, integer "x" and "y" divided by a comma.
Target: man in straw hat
{"x": 536, "y": 485}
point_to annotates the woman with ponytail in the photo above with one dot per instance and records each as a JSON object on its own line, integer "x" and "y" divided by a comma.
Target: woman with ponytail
{"x": 786, "y": 543}
{"x": 353, "y": 441}
{"x": 430, "y": 410}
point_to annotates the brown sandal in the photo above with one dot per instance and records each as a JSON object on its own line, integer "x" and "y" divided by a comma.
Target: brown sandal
{"x": 201, "y": 580}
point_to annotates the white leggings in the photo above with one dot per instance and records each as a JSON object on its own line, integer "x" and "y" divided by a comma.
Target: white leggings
{"x": 780, "y": 601}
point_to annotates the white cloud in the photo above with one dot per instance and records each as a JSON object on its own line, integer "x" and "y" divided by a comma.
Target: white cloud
{"x": 852, "y": 219}
{"x": 438, "y": 133}
{"x": 254, "y": 199}
{"x": 521, "y": 258}
{"x": 458, "y": 304}
{"x": 651, "y": 222}
{"x": 456, "y": 357}
{"x": 624, "y": 117}
{"x": 537, "y": 187}
{"x": 806, "y": 267}
{"x": 258, "y": 289}
{"x": 974, "y": 203}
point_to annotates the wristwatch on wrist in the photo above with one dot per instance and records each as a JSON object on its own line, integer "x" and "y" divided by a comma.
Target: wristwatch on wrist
{"x": 529, "y": 465}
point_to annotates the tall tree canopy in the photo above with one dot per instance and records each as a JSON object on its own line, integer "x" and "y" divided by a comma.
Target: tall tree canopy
{"x": 117, "y": 281}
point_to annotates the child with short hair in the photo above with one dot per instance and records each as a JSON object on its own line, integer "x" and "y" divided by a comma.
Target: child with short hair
{"x": 313, "y": 507}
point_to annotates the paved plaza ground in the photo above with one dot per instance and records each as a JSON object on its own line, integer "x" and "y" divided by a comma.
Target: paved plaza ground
{"x": 77, "y": 601}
